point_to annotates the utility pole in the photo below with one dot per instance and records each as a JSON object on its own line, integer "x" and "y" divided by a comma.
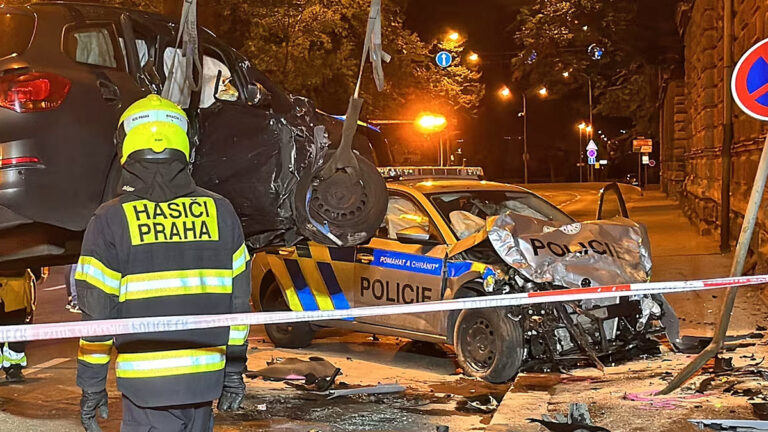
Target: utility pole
{"x": 525, "y": 139}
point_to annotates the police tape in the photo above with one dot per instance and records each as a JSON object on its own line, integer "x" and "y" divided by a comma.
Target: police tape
{"x": 113, "y": 327}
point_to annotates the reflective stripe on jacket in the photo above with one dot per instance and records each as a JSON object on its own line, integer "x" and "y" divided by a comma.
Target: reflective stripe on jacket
{"x": 182, "y": 257}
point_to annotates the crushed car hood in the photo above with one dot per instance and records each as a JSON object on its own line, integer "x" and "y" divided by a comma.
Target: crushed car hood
{"x": 579, "y": 254}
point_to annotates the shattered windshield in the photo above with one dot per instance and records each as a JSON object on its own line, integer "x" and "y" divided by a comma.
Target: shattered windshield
{"x": 466, "y": 211}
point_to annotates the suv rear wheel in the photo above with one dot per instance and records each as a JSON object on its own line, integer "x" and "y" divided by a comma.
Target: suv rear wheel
{"x": 287, "y": 335}
{"x": 489, "y": 345}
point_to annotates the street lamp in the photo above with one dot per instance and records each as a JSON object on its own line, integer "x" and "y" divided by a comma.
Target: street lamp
{"x": 567, "y": 74}
{"x": 428, "y": 124}
{"x": 473, "y": 57}
{"x": 505, "y": 93}
{"x": 582, "y": 126}
{"x": 454, "y": 36}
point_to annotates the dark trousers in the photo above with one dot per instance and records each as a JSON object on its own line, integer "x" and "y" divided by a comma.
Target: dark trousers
{"x": 183, "y": 418}
{"x": 19, "y": 316}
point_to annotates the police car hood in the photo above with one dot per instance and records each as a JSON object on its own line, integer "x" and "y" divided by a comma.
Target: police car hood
{"x": 605, "y": 252}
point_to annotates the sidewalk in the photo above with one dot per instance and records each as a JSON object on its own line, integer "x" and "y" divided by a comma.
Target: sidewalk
{"x": 678, "y": 253}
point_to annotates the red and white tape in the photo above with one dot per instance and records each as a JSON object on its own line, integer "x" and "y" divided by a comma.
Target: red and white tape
{"x": 64, "y": 330}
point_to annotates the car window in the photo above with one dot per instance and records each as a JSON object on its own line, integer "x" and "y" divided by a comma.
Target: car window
{"x": 141, "y": 48}
{"x": 93, "y": 44}
{"x": 402, "y": 213}
{"x": 466, "y": 211}
{"x": 212, "y": 64}
{"x": 16, "y": 34}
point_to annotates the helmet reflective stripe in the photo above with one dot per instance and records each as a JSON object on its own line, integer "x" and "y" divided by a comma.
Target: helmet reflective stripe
{"x": 164, "y": 116}
{"x": 152, "y": 123}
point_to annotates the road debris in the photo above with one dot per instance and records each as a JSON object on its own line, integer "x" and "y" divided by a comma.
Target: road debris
{"x": 311, "y": 370}
{"x": 661, "y": 402}
{"x": 732, "y": 425}
{"x": 489, "y": 407}
{"x": 377, "y": 389}
{"x": 578, "y": 420}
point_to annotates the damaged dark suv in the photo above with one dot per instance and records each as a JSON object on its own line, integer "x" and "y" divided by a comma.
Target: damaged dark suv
{"x": 68, "y": 70}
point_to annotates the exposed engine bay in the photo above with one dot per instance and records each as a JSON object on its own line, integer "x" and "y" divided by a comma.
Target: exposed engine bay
{"x": 532, "y": 254}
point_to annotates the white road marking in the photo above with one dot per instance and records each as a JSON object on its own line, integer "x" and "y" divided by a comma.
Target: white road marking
{"x": 571, "y": 201}
{"x": 47, "y": 364}
{"x": 54, "y": 288}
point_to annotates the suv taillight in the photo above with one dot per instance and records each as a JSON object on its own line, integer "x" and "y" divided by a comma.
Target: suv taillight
{"x": 34, "y": 91}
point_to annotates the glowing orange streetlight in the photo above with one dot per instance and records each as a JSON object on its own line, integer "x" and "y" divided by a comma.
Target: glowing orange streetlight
{"x": 543, "y": 92}
{"x": 566, "y": 74}
{"x": 505, "y": 92}
{"x": 473, "y": 57}
{"x": 430, "y": 123}
{"x": 582, "y": 126}
{"x": 454, "y": 36}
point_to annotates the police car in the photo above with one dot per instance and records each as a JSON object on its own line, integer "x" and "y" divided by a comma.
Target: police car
{"x": 430, "y": 247}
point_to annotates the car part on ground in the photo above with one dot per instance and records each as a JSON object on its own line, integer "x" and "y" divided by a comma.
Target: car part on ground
{"x": 732, "y": 425}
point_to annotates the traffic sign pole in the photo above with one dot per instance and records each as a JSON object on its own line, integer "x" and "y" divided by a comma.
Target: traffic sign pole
{"x": 748, "y": 86}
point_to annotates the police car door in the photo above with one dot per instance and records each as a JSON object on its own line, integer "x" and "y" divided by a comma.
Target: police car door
{"x": 398, "y": 267}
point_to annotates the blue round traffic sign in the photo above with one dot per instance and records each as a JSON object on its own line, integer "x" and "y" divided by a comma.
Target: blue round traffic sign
{"x": 749, "y": 84}
{"x": 591, "y": 153}
{"x": 444, "y": 59}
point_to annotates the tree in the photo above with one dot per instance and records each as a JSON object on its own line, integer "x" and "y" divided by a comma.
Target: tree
{"x": 313, "y": 48}
{"x": 559, "y": 32}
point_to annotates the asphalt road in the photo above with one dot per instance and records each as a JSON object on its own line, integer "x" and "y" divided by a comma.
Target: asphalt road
{"x": 436, "y": 395}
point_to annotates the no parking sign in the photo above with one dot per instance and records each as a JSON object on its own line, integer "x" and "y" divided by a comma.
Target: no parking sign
{"x": 749, "y": 84}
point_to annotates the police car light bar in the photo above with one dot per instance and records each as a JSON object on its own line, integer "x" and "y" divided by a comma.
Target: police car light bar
{"x": 430, "y": 172}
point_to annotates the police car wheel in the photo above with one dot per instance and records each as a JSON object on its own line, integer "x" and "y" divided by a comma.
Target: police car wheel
{"x": 488, "y": 344}
{"x": 288, "y": 335}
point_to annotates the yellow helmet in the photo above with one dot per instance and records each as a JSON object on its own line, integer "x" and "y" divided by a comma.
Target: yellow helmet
{"x": 152, "y": 123}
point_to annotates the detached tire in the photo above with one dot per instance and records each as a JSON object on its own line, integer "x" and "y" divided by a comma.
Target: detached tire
{"x": 351, "y": 206}
{"x": 488, "y": 344}
{"x": 288, "y": 335}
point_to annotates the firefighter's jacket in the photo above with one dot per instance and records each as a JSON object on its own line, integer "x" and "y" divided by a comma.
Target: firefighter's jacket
{"x": 17, "y": 291}
{"x": 141, "y": 258}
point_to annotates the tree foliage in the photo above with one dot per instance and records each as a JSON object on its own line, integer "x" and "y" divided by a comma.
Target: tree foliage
{"x": 313, "y": 47}
{"x": 560, "y": 32}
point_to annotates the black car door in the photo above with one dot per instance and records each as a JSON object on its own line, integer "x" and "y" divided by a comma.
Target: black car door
{"x": 246, "y": 145}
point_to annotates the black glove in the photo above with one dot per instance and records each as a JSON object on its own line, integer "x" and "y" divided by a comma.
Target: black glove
{"x": 90, "y": 403}
{"x": 233, "y": 392}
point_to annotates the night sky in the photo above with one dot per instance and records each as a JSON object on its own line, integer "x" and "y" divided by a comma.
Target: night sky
{"x": 493, "y": 139}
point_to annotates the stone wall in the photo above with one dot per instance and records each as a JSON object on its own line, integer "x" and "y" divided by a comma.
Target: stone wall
{"x": 675, "y": 132}
{"x": 696, "y": 104}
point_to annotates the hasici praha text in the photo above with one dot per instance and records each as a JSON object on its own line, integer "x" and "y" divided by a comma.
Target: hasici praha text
{"x": 179, "y": 220}
{"x": 394, "y": 292}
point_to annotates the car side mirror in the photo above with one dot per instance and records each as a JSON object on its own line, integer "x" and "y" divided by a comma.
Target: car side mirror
{"x": 257, "y": 95}
{"x": 223, "y": 90}
{"x": 414, "y": 234}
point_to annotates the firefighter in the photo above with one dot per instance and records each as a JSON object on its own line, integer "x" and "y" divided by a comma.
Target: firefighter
{"x": 17, "y": 294}
{"x": 164, "y": 247}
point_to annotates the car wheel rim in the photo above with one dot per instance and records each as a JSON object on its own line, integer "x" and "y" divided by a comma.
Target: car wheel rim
{"x": 480, "y": 345}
